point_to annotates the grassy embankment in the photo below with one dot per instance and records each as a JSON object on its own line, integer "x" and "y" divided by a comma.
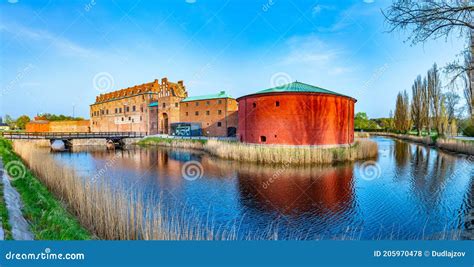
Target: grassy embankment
{"x": 5, "y": 224}
{"x": 271, "y": 154}
{"x": 449, "y": 144}
{"x": 48, "y": 217}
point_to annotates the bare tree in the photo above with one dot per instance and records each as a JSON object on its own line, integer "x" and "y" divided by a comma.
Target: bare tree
{"x": 451, "y": 101}
{"x": 468, "y": 78}
{"x": 418, "y": 105}
{"x": 402, "y": 119}
{"x": 435, "y": 95}
{"x": 431, "y": 19}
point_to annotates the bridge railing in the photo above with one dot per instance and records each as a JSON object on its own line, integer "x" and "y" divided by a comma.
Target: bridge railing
{"x": 70, "y": 135}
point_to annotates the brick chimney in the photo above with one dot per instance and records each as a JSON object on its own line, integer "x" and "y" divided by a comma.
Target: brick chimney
{"x": 164, "y": 80}
{"x": 181, "y": 83}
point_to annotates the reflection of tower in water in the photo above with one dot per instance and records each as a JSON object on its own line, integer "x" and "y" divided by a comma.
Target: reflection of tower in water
{"x": 314, "y": 190}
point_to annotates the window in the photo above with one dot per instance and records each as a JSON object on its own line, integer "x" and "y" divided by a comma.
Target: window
{"x": 219, "y": 101}
{"x": 122, "y": 118}
{"x": 187, "y": 104}
{"x": 116, "y": 110}
{"x": 208, "y": 112}
{"x": 197, "y": 104}
{"x": 134, "y": 108}
{"x": 176, "y": 104}
{"x": 164, "y": 105}
{"x": 208, "y": 103}
{"x": 129, "y": 118}
{"x": 219, "y": 124}
{"x": 254, "y": 104}
{"x": 219, "y": 112}
{"x": 140, "y": 118}
{"x": 187, "y": 113}
{"x": 127, "y": 109}
{"x": 277, "y": 103}
{"x": 107, "y": 112}
{"x": 120, "y": 110}
{"x": 141, "y": 109}
{"x": 197, "y": 113}
{"x": 263, "y": 139}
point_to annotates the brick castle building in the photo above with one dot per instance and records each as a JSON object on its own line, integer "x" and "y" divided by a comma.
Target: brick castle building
{"x": 217, "y": 114}
{"x": 128, "y": 110}
{"x": 154, "y": 108}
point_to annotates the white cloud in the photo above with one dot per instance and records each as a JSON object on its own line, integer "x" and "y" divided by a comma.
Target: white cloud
{"x": 308, "y": 49}
{"x": 61, "y": 44}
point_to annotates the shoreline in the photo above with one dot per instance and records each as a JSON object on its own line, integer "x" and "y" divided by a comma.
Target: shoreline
{"x": 269, "y": 154}
{"x": 48, "y": 217}
{"x": 465, "y": 147}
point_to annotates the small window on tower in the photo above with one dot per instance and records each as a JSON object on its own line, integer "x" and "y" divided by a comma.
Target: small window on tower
{"x": 208, "y": 112}
{"x": 254, "y": 104}
{"x": 219, "y": 124}
{"x": 277, "y": 103}
{"x": 263, "y": 139}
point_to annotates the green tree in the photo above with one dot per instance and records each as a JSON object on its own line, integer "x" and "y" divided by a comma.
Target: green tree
{"x": 22, "y": 121}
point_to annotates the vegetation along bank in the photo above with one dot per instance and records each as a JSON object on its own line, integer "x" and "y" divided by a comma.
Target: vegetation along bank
{"x": 273, "y": 154}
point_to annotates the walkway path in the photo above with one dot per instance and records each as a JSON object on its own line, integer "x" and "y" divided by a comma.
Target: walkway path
{"x": 20, "y": 226}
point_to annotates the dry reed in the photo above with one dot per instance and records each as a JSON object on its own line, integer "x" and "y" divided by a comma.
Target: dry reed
{"x": 455, "y": 145}
{"x": 449, "y": 144}
{"x": 116, "y": 213}
{"x": 298, "y": 155}
{"x": 275, "y": 154}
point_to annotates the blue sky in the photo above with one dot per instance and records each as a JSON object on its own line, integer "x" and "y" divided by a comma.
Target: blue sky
{"x": 51, "y": 51}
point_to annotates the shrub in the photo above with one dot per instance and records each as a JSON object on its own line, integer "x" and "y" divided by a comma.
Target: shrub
{"x": 469, "y": 131}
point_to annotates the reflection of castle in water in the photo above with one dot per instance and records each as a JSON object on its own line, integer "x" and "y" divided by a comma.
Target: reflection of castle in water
{"x": 315, "y": 190}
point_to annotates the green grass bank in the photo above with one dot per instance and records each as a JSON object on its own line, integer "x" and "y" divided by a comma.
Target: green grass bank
{"x": 48, "y": 217}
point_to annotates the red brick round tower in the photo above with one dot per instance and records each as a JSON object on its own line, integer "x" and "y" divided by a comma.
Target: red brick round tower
{"x": 296, "y": 114}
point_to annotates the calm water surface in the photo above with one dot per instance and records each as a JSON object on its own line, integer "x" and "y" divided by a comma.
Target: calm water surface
{"x": 414, "y": 192}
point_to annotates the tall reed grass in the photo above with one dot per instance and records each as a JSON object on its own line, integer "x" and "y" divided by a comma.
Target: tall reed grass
{"x": 274, "y": 154}
{"x": 120, "y": 214}
{"x": 456, "y": 145}
{"x": 449, "y": 144}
